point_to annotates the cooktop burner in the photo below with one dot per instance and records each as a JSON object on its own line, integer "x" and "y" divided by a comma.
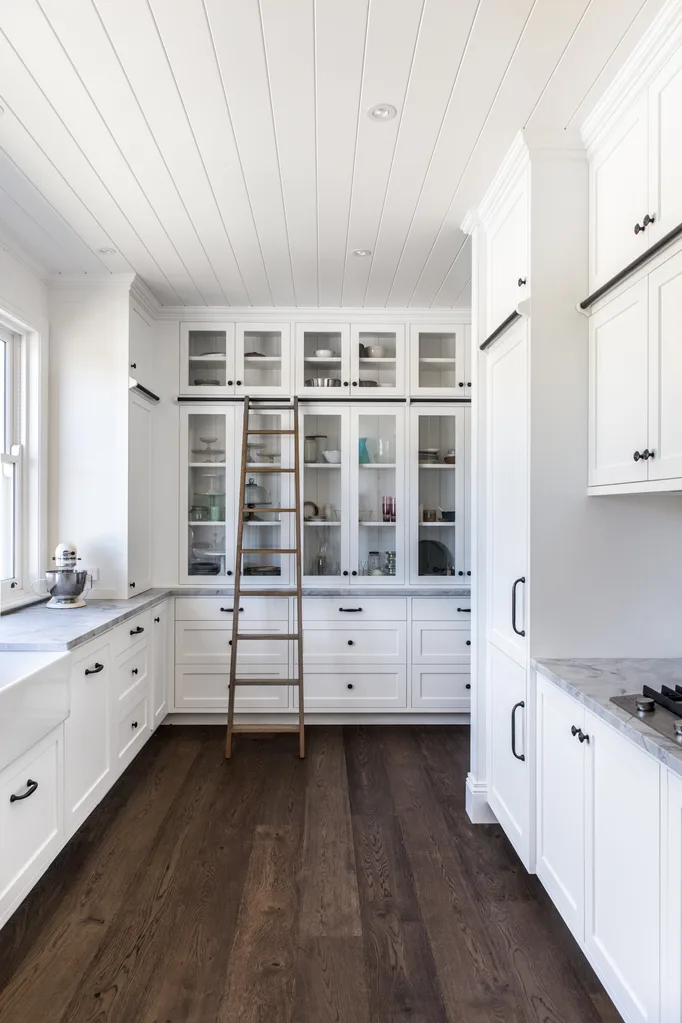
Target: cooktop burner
{"x": 661, "y": 711}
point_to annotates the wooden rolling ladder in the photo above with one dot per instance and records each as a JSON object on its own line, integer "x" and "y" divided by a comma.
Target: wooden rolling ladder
{"x": 262, "y": 405}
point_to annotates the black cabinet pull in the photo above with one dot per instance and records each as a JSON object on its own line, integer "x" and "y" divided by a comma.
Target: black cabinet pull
{"x": 582, "y": 737}
{"x": 637, "y": 455}
{"x": 355, "y": 383}
{"x": 462, "y": 609}
{"x": 639, "y": 228}
{"x": 468, "y": 573}
{"x": 574, "y": 730}
{"x": 132, "y": 586}
{"x": 519, "y": 756}
{"x": 349, "y": 685}
{"x": 521, "y": 281}
{"x": 345, "y": 383}
{"x": 31, "y": 786}
{"x": 157, "y": 620}
{"x": 460, "y": 573}
{"x": 230, "y": 610}
{"x": 468, "y": 642}
{"x": 521, "y": 579}
{"x": 133, "y": 365}
{"x": 461, "y": 383}
{"x": 137, "y": 631}
{"x": 230, "y": 383}
{"x": 96, "y": 670}
{"x": 646, "y": 454}
{"x": 354, "y": 572}
{"x": 345, "y": 573}
{"x": 133, "y": 724}
{"x": 229, "y": 642}
{"x": 350, "y": 642}
{"x": 468, "y": 685}
{"x": 350, "y": 610}
{"x": 230, "y": 572}
{"x": 135, "y": 671}
{"x": 648, "y": 220}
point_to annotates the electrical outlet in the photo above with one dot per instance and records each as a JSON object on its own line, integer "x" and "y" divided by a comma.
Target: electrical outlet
{"x": 93, "y": 575}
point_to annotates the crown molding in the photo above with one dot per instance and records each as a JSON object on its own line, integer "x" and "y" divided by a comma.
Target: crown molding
{"x": 59, "y": 282}
{"x": 146, "y": 297}
{"x": 14, "y": 248}
{"x": 336, "y": 314}
{"x": 508, "y": 173}
{"x": 470, "y": 222}
{"x": 653, "y": 50}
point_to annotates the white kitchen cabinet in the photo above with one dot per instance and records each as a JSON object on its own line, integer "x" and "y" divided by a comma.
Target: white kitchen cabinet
{"x": 507, "y": 492}
{"x": 622, "y": 842}
{"x": 441, "y": 688}
{"x": 671, "y": 899}
{"x": 440, "y": 643}
{"x": 88, "y": 768}
{"x": 205, "y": 687}
{"x": 141, "y": 329}
{"x": 360, "y": 643}
{"x": 207, "y": 359}
{"x": 31, "y": 818}
{"x": 161, "y": 661}
{"x": 437, "y": 493}
{"x": 560, "y": 803}
{"x": 223, "y": 359}
{"x": 665, "y": 370}
{"x": 619, "y": 197}
{"x": 378, "y": 361}
{"x": 618, "y": 428}
{"x": 438, "y": 361}
{"x": 509, "y": 749}
{"x": 327, "y": 374}
{"x": 211, "y": 643}
{"x": 665, "y": 149}
{"x": 507, "y": 264}
{"x": 132, "y": 730}
{"x": 139, "y": 496}
{"x": 355, "y": 688}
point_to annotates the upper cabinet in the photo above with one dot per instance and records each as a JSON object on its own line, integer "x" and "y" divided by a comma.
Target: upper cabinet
{"x": 221, "y": 359}
{"x": 140, "y": 345}
{"x": 358, "y": 361}
{"x": 507, "y": 263}
{"x": 438, "y": 356}
{"x": 635, "y": 174}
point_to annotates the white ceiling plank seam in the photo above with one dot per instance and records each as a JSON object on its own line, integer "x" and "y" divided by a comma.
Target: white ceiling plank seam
{"x": 557, "y": 66}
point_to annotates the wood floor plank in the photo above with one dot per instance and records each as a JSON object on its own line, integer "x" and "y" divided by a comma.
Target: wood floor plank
{"x": 370, "y": 792}
{"x": 86, "y": 892}
{"x": 261, "y": 973}
{"x": 330, "y": 904}
{"x": 330, "y": 982}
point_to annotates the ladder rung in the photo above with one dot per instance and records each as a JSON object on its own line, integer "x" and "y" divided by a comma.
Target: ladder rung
{"x": 265, "y": 468}
{"x": 267, "y": 682}
{"x": 270, "y": 433}
{"x": 267, "y": 635}
{"x": 246, "y": 592}
{"x": 264, "y": 728}
{"x": 269, "y": 550}
{"x": 269, "y": 510}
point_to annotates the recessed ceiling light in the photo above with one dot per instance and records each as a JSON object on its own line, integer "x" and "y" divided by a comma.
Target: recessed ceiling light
{"x": 362, "y": 252}
{"x": 382, "y": 112}
{"x": 107, "y": 252}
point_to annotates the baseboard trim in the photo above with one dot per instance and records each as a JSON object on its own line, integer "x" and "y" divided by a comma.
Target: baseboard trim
{"x": 477, "y": 806}
{"x": 220, "y": 718}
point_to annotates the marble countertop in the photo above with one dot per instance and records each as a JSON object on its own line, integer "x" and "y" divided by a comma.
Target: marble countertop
{"x": 594, "y": 681}
{"x": 42, "y": 628}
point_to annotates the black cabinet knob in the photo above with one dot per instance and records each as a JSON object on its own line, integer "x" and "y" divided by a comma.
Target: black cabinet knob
{"x": 345, "y": 383}
{"x": 135, "y": 671}
{"x": 582, "y": 737}
{"x": 349, "y": 685}
{"x": 468, "y": 685}
{"x": 350, "y": 642}
{"x": 461, "y": 383}
{"x": 157, "y": 620}
{"x": 354, "y": 572}
{"x": 648, "y": 220}
{"x": 132, "y": 586}
{"x": 468, "y": 642}
{"x": 229, "y": 572}
{"x": 468, "y": 573}
{"x": 230, "y": 383}
{"x": 646, "y": 454}
{"x": 345, "y": 573}
{"x": 133, "y": 724}
{"x": 460, "y": 573}
{"x": 229, "y": 642}
{"x": 133, "y": 365}
{"x": 637, "y": 455}
{"x": 521, "y": 281}
{"x": 355, "y": 383}
{"x": 239, "y": 383}
{"x": 469, "y": 383}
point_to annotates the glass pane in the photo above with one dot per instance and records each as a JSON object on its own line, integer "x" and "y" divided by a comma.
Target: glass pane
{"x": 437, "y": 489}
{"x": 322, "y": 358}
{"x": 322, "y": 495}
{"x": 207, "y": 358}
{"x": 206, "y": 494}
{"x": 377, "y": 359}
{"x": 263, "y": 359}
{"x": 377, "y": 508}
{"x": 265, "y": 490}
{"x": 7, "y": 567}
{"x": 437, "y": 359}
{"x": 4, "y": 353}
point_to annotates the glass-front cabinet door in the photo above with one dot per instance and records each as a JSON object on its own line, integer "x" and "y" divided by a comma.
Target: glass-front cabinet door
{"x": 437, "y": 494}
{"x": 377, "y": 503}
{"x": 437, "y": 355}
{"x": 263, "y": 359}
{"x": 207, "y": 359}
{"x": 323, "y": 359}
{"x": 207, "y": 494}
{"x": 325, "y": 471}
{"x": 377, "y": 361}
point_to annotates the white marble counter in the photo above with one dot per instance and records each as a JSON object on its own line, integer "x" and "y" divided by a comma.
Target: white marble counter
{"x": 594, "y": 681}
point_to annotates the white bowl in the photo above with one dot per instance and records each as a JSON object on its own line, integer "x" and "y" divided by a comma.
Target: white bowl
{"x": 375, "y": 351}
{"x": 332, "y": 456}
{"x": 323, "y": 353}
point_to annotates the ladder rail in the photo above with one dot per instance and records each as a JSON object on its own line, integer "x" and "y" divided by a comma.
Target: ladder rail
{"x": 299, "y": 577}
{"x": 237, "y": 585}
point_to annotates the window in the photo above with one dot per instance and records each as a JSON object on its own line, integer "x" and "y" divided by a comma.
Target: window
{"x": 11, "y": 493}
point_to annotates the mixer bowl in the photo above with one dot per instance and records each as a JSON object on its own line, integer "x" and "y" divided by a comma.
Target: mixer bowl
{"x": 65, "y": 586}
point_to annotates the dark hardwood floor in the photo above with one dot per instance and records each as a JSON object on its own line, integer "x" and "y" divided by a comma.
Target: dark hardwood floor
{"x": 346, "y": 888}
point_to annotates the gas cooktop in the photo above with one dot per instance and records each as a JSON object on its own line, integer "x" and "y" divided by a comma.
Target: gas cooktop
{"x": 661, "y": 711}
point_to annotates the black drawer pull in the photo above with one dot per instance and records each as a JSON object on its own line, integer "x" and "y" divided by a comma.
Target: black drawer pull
{"x": 230, "y": 610}
{"x": 468, "y": 685}
{"x": 462, "y": 609}
{"x": 133, "y": 724}
{"x": 137, "y": 631}
{"x": 31, "y": 787}
{"x": 521, "y": 579}
{"x": 132, "y": 586}
{"x": 349, "y": 685}
{"x": 96, "y": 670}
{"x": 350, "y": 610}
{"x": 350, "y": 642}
{"x": 135, "y": 671}
{"x": 519, "y": 756}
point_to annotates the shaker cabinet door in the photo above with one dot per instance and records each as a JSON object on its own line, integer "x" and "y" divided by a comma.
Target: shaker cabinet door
{"x": 665, "y": 370}
{"x": 665, "y": 149}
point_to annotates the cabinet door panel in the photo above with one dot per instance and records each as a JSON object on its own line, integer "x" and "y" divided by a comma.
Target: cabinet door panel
{"x": 87, "y": 735}
{"x": 314, "y": 370}
{"x": 162, "y": 659}
{"x": 204, "y": 687}
{"x": 356, "y": 643}
{"x": 665, "y": 370}
{"x": 671, "y": 951}
{"x": 434, "y": 643}
{"x": 561, "y": 803}
{"x": 140, "y": 346}
{"x": 139, "y": 496}
{"x": 665, "y": 149}
{"x": 622, "y": 916}
{"x": 619, "y": 197}
{"x": 211, "y": 643}
{"x": 437, "y": 360}
{"x": 507, "y": 491}
{"x": 508, "y": 258}
{"x": 326, "y": 498}
{"x": 618, "y": 425}
{"x": 441, "y": 688}
{"x": 377, "y": 360}
{"x": 263, "y": 359}
{"x": 509, "y": 793}
{"x": 355, "y": 689}
{"x": 207, "y": 359}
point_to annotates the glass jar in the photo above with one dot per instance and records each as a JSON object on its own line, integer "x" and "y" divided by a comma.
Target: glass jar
{"x": 373, "y": 562}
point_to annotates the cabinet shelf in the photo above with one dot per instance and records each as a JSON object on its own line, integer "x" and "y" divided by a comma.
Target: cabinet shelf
{"x": 367, "y": 359}
{"x": 436, "y": 525}
{"x": 322, "y": 465}
{"x": 206, "y": 522}
{"x": 375, "y": 524}
{"x": 259, "y": 523}
{"x": 377, "y": 465}
{"x": 319, "y": 360}
{"x": 209, "y": 359}
{"x": 437, "y": 361}
{"x": 207, "y": 465}
{"x": 324, "y": 522}
{"x": 262, "y": 358}
{"x": 436, "y": 465}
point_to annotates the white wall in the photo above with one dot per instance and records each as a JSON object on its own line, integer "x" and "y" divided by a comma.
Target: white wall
{"x": 23, "y": 293}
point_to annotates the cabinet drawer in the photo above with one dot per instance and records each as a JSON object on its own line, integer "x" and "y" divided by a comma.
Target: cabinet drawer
{"x": 355, "y": 643}
{"x": 211, "y": 643}
{"x": 31, "y": 828}
{"x": 438, "y": 643}
{"x": 203, "y": 687}
{"x": 87, "y": 735}
{"x": 133, "y": 730}
{"x": 352, "y": 609}
{"x": 132, "y": 671}
{"x": 219, "y": 609}
{"x": 441, "y": 687}
{"x": 361, "y": 688}
{"x": 442, "y": 609}
{"x": 133, "y": 631}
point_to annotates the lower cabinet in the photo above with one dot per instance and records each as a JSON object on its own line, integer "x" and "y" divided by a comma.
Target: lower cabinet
{"x": 162, "y": 662}
{"x": 671, "y": 944}
{"x": 133, "y": 730}
{"x": 356, "y": 688}
{"x": 205, "y": 687}
{"x": 508, "y": 764}
{"x": 88, "y": 733}
{"x": 31, "y": 818}
{"x": 598, "y": 849}
{"x": 441, "y": 687}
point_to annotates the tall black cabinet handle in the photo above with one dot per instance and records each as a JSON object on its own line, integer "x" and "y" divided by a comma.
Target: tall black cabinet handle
{"x": 521, "y": 579}
{"x": 519, "y": 756}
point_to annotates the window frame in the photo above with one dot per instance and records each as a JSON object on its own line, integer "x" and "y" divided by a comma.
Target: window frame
{"x": 12, "y": 452}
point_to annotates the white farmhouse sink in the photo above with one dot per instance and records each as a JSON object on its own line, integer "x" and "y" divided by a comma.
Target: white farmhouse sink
{"x": 34, "y": 699}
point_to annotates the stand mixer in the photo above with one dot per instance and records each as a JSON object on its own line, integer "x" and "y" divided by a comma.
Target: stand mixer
{"x": 66, "y": 581}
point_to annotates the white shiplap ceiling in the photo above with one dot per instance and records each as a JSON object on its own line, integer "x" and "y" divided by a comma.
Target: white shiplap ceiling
{"x": 222, "y": 147}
